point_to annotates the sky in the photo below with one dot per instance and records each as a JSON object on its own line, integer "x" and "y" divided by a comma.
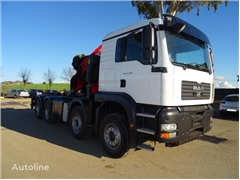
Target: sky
{"x": 41, "y": 35}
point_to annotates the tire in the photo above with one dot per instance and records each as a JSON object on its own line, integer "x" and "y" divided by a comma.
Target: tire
{"x": 38, "y": 108}
{"x": 5, "y": 96}
{"x": 78, "y": 122}
{"x": 15, "y": 96}
{"x": 48, "y": 116}
{"x": 114, "y": 136}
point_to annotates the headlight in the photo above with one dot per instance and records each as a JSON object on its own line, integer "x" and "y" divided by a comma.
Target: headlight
{"x": 168, "y": 127}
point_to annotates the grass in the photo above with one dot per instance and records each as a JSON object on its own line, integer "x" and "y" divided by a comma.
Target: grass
{"x": 6, "y": 88}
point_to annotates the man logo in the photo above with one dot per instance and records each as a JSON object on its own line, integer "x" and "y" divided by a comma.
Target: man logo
{"x": 198, "y": 88}
{"x": 199, "y": 94}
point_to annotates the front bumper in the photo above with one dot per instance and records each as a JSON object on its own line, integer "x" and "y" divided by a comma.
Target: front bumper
{"x": 192, "y": 122}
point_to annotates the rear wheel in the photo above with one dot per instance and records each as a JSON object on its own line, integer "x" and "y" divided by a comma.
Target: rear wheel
{"x": 78, "y": 123}
{"x": 38, "y": 108}
{"x": 114, "y": 136}
{"x": 5, "y": 96}
{"x": 48, "y": 116}
{"x": 15, "y": 96}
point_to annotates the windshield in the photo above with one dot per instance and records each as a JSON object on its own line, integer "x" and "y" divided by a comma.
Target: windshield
{"x": 188, "y": 52}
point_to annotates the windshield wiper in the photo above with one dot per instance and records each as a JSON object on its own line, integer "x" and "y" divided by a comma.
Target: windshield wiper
{"x": 184, "y": 66}
{"x": 192, "y": 66}
{"x": 202, "y": 68}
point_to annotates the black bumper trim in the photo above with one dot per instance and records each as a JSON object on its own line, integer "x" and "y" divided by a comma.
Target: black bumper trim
{"x": 190, "y": 124}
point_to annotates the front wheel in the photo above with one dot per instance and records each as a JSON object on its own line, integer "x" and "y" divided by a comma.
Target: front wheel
{"x": 114, "y": 136}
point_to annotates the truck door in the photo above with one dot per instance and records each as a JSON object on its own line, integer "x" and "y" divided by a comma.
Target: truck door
{"x": 136, "y": 78}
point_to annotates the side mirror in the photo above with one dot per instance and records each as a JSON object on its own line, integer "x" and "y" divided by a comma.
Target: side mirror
{"x": 148, "y": 43}
{"x": 178, "y": 27}
{"x": 148, "y": 37}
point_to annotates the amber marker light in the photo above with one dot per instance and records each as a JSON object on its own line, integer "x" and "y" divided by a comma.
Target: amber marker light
{"x": 165, "y": 135}
{"x": 131, "y": 125}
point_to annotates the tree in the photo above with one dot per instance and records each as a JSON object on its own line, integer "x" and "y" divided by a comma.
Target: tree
{"x": 67, "y": 74}
{"x": 25, "y": 74}
{"x": 49, "y": 76}
{"x": 154, "y": 9}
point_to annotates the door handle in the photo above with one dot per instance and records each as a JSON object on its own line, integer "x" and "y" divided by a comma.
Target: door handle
{"x": 122, "y": 83}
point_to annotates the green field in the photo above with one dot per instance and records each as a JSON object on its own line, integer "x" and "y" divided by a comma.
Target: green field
{"x": 6, "y": 88}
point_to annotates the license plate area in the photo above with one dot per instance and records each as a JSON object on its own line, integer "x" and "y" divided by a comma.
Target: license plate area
{"x": 231, "y": 110}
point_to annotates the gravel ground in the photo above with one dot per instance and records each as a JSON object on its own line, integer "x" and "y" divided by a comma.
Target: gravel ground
{"x": 28, "y": 142}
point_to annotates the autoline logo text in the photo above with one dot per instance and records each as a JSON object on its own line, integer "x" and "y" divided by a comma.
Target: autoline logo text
{"x": 33, "y": 167}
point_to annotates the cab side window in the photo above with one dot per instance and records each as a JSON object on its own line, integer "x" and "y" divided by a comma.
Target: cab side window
{"x": 131, "y": 49}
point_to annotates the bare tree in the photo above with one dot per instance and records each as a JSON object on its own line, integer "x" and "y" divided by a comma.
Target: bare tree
{"x": 25, "y": 74}
{"x": 49, "y": 76}
{"x": 67, "y": 74}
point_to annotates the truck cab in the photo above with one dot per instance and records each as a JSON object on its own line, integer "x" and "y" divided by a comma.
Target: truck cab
{"x": 180, "y": 72}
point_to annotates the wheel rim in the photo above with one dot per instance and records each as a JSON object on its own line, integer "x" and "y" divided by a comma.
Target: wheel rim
{"x": 37, "y": 108}
{"x": 112, "y": 136}
{"x": 77, "y": 123}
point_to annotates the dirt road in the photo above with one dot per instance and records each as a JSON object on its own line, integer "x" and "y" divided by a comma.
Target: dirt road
{"x": 32, "y": 148}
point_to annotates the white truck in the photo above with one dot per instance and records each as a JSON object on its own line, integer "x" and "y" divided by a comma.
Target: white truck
{"x": 155, "y": 84}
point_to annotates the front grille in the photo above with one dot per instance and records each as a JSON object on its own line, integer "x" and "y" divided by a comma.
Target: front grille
{"x": 192, "y": 90}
